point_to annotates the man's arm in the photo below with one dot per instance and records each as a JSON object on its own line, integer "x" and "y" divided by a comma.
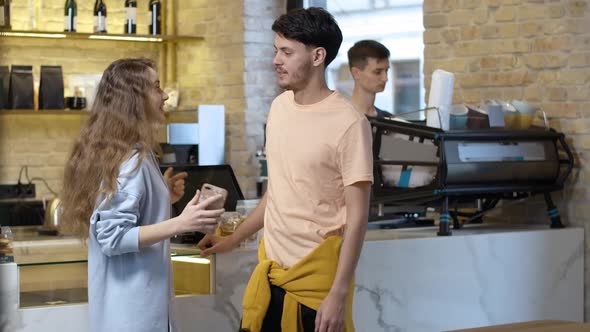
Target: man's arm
{"x": 331, "y": 314}
{"x": 253, "y": 223}
{"x": 356, "y": 197}
{"x": 212, "y": 244}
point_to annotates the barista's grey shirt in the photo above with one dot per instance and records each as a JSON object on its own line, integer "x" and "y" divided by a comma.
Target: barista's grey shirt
{"x": 128, "y": 287}
{"x": 381, "y": 113}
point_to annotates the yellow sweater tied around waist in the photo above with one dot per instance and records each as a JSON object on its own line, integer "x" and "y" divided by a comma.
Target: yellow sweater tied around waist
{"x": 307, "y": 282}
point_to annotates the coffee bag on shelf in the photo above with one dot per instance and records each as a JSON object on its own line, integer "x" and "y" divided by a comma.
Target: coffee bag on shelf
{"x": 51, "y": 88}
{"x": 4, "y": 84}
{"x": 21, "y": 95}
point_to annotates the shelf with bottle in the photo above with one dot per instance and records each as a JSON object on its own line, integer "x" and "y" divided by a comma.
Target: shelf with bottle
{"x": 100, "y": 27}
{"x": 176, "y": 116}
{"x": 97, "y": 36}
{"x": 5, "y": 11}
{"x": 43, "y": 112}
{"x": 57, "y": 111}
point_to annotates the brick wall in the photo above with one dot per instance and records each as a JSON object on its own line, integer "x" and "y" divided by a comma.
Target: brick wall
{"x": 212, "y": 72}
{"x": 259, "y": 75}
{"x": 534, "y": 50}
{"x": 43, "y": 142}
{"x": 230, "y": 67}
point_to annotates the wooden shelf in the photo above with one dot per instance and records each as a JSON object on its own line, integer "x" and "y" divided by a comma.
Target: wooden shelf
{"x": 178, "y": 116}
{"x": 182, "y": 112}
{"x": 45, "y": 112}
{"x": 97, "y": 36}
{"x": 84, "y": 111}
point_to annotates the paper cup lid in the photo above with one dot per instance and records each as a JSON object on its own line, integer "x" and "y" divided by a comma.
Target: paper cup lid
{"x": 459, "y": 109}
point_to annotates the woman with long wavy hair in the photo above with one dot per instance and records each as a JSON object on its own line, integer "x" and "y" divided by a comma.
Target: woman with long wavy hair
{"x": 115, "y": 195}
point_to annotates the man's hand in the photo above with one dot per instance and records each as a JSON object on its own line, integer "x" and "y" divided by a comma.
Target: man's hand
{"x": 331, "y": 313}
{"x": 212, "y": 244}
{"x": 175, "y": 184}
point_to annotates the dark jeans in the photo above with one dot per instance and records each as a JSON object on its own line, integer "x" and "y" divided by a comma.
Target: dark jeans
{"x": 272, "y": 320}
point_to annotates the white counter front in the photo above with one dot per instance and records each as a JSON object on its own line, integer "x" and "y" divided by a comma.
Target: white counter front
{"x": 478, "y": 277}
{"x": 408, "y": 280}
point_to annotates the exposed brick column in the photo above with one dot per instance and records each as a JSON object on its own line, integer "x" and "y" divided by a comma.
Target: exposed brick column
{"x": 259, "y": 80}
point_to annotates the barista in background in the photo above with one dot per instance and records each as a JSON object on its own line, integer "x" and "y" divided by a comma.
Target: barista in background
{"x": 369, "y": 63}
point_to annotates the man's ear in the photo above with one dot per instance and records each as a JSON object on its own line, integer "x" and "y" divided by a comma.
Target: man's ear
{"x": 355, "y": 72}
{"x": 319, "y": 56}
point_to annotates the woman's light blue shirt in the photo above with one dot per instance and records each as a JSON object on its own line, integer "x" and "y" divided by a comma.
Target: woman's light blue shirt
{"x": 129, "y": 288}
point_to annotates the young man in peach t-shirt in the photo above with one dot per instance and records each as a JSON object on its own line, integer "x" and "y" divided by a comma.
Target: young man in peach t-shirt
{"x": 319, "y": 169}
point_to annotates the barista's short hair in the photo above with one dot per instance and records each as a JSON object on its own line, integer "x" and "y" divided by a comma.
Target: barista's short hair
{"x": 361, "y": 51}
{"x": 313, "y": 27}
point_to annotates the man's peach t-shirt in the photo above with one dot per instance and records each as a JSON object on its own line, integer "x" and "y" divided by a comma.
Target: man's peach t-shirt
{"x": 313, "y": 152}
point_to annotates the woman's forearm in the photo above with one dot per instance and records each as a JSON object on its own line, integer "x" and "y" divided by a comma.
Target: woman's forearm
{"x": 151, "y": 234}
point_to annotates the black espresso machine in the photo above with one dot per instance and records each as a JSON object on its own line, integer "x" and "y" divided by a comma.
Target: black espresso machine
{"x": 486, "y": 165}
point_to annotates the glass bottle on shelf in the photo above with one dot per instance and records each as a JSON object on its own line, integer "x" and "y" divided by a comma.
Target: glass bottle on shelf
{"x": 5, "y": 15}
{"x": 155, "y": 19}
{"x": 33, "y": 15}
{"x": 100, "y": 17}
{"x": 70, "y": 16}
{"x": 131, "y": 20}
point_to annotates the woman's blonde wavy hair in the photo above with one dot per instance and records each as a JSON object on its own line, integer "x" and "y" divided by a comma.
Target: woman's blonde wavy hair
{"x": 120, "y": 121}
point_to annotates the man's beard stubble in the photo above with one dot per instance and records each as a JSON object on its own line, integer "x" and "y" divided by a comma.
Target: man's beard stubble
{"x": 300, "y": 75}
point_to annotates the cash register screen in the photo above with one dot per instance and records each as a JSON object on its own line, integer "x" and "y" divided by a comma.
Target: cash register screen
{"x": 219, "y": 175}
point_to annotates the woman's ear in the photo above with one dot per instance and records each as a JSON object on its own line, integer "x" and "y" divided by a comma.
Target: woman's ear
{"x": 319, "y": 56}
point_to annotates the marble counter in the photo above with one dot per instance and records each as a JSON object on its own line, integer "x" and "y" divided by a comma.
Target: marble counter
{"x": 409, "y": 280}
{"x": 480, "y": 276}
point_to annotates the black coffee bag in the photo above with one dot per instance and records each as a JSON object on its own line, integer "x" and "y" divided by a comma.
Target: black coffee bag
{"x": 4, "y": 84}
{"x": 21, "y": 87}
{"x": 51, "y": 88}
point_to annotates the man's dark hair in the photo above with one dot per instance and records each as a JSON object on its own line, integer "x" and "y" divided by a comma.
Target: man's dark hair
{"x": 361, "y": 51}
{"x": 313, "y": 27}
